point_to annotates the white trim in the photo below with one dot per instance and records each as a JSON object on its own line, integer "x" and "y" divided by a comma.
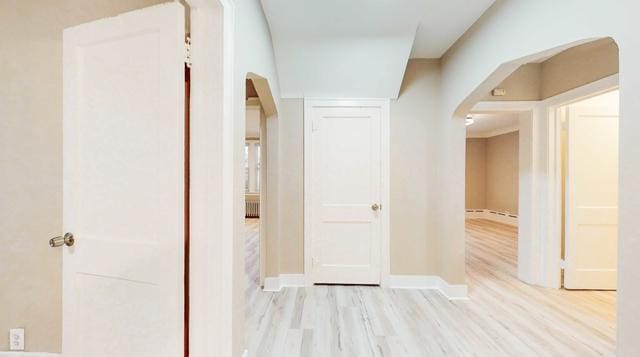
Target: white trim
{"x": 385, "y": 193}
{"x": 28, "y": 354}
{"x": 492, "y": 215}
{"x": 272, "y": 284}
{"x": 495, "y": 132}
{"x": 275, "y": 284}
{"x": 212, "y": 178}
{"x": 429, "y": 282}
{"x": 504, "y": 106}
{"x": 245, "y": 353}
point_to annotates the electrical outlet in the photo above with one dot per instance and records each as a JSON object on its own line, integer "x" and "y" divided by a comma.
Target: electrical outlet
{"x": 16, "y": 339}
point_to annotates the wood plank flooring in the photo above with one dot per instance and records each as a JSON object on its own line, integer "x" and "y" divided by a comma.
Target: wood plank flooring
{"x": 503, "y": 317}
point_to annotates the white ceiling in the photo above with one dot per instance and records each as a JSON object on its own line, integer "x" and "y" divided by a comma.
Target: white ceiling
{"x": 359, "y": 48}
{"x": 491, "y": 124}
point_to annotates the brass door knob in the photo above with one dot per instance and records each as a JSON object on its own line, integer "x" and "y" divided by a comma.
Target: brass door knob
{"x": 59, "y": 241}
{"x": 375, "y": 207}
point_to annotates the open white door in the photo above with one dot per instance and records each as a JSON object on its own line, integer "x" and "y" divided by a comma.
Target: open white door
{"x": 123, "y": 152}
{"x": 592, "y": 193}
{"x": 345, "y": 193}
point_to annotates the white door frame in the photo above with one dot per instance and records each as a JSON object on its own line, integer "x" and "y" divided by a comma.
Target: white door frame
{"x": 540, "y": 201}
{"x": 383, "y": 104}
{"x": 214, "y": 329}
{"x": 551, "y": 256}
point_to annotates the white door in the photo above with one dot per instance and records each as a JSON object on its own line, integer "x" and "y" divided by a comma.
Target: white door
{"x": 345, "y": 189}
{"x": 123, "y": 281}
{"x": 592, "y": 193}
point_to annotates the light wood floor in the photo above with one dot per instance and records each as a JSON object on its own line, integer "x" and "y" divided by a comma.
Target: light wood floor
{"x": 503, "y": 317}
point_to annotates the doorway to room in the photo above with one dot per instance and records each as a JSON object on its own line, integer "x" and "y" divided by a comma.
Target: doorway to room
{"x": 566, "y": 236}
{"x": 491, "y": 190}
{"x": 254, "y": 180}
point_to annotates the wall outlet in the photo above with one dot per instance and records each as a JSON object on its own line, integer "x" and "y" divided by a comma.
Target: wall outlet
{"x": 16, "y": 339}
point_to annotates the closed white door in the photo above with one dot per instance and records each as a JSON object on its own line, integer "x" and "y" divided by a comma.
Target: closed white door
{"x": 123, "y": 281}
{"x": 592, "y": 194}
{"x": 345, "y": 195}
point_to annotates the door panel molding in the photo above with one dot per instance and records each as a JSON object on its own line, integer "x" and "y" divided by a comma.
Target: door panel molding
{"x": 310, "y": 104}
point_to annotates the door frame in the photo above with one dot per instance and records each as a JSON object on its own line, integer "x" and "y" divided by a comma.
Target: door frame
{"x": 214, "y": 328}
{"x": 540, "y": 220}
{"x": 555, "y": 195}
{"x": 384, "y": 105}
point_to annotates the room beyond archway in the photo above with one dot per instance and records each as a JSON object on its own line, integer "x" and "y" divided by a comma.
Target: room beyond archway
{"x": 546, "y": 241}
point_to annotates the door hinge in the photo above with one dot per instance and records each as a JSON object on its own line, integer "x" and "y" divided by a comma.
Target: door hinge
{"x": 563, "y": 264}
{"x": 187, "y": 51}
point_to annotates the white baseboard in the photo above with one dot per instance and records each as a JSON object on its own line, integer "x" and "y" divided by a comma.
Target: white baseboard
{"x": 28, "y": 354}
{"x": 275, "y": 284}
{"x": 451, "y": 292}
{"x": 500, "y": 217}
{"x": 429, "y": 282}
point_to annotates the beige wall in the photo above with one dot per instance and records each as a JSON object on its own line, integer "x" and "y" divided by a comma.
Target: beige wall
{"x": 31, "y": 160}
{"x": 476, "y": 173}
{"x": 413, "y": 177}
{"x": 291, "y": 186}
{"x": 523, "y": 84}
{"x": 492, "y": 177}
{"x": 567, "y": 70}
{"x": 502, "y": 173}
{"x": 578, "y": 66}
{"x": 285, "y": 190}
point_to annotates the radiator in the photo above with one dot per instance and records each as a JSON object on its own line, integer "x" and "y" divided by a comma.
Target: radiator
{"x": 252, "y": 206}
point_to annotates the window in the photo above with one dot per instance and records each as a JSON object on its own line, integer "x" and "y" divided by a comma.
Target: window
{"x": 252, "y": 166}
{"x": 257, "y": 147}
{"x": 246, "y": 167}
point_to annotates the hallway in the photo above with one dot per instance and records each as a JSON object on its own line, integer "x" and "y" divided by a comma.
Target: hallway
{"x": 504, "y": 317}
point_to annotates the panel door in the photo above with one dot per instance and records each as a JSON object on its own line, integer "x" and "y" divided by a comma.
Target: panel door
{"x": 592, "y": 194}
{"x": 123, "y": 281}
{"x": 346, "y": 184}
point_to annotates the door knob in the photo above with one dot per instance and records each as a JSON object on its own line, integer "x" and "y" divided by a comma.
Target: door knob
{"x": 59, "y": 241}
{"x": 375, "y": 207}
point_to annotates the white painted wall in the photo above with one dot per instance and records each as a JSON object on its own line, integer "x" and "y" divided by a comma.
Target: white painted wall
{"x": 469, "y": 69}
{"x": 253, "y": 54}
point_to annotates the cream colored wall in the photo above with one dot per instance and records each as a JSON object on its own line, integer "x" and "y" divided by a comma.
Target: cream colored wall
{"x": 285, "y": 190}
{"x": 413, "y": 178}
{"x": 578, "y": 66}
{"x": 567, "y": 70}
{"x": 502, "y": 173}
{"x": 31, "y": 160}
{"x": 475, "y": 173}
{"x": 291, "y": 188}
{"x": 523, "y": 84}
{"x": 492, "y": 173}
